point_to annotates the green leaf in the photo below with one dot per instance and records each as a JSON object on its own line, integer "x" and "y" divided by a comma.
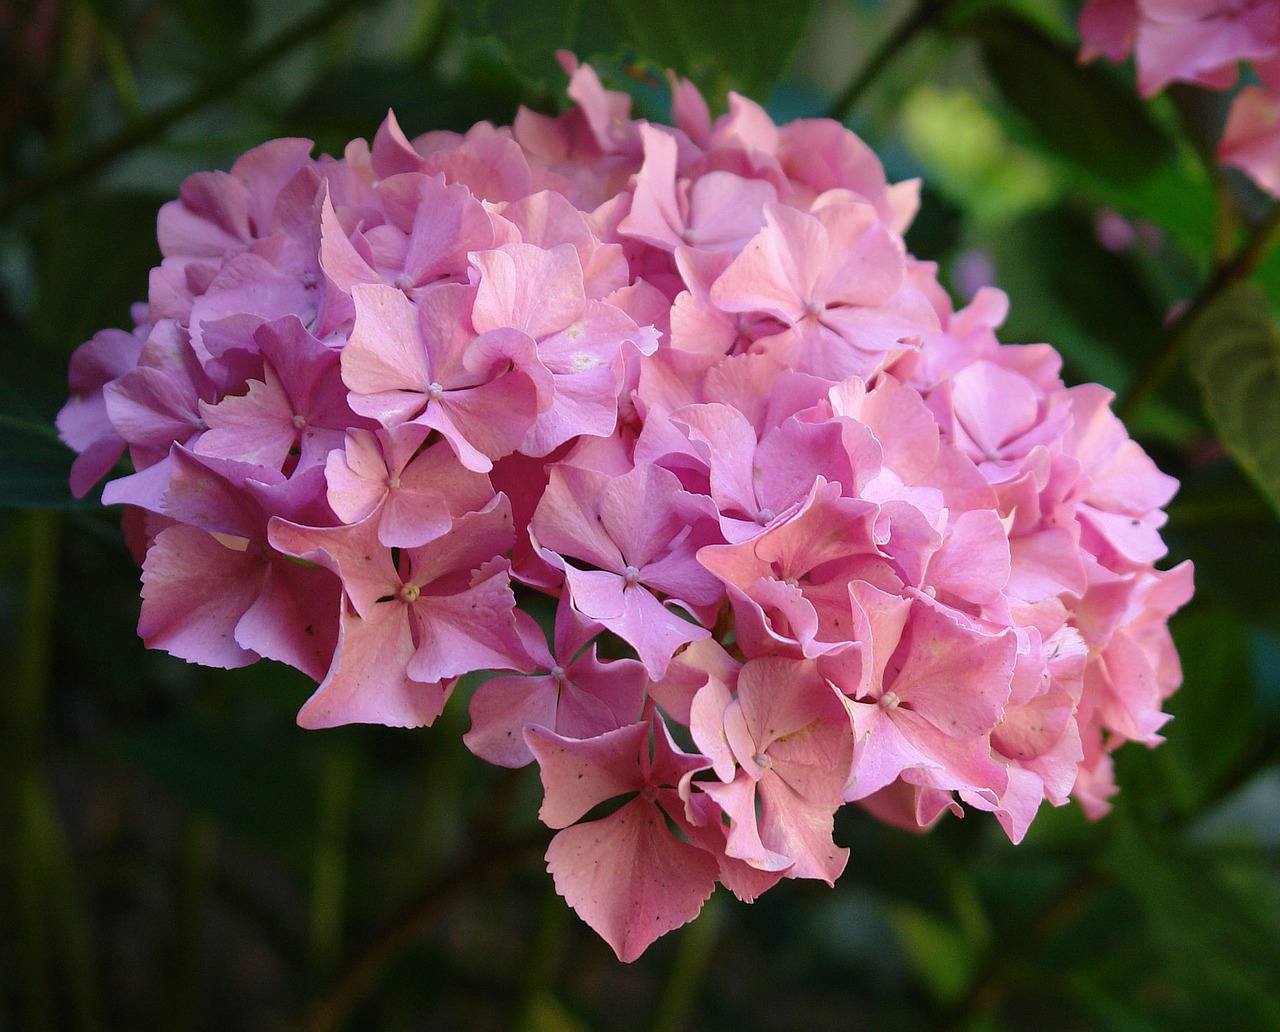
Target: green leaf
{"x": 1085, "y": 114}
{"x": 99, "y": 249}
{"x": 547, "y": 1014}
{"x": 970, "y": 156}
{"x": 1215, "y": 711}
{"x": 1212, "y": 944}
{"x": 691, "y": 38}
{"x": 941, "y": 954}
{"x": 353, "y": 98}
{"x": 34, "y": 466}
{"x": 1234, "y": 352}
{"x": 1030, "y": 255}
{"x": 1111, "y": 1013}
{"x": 258, "y": 780}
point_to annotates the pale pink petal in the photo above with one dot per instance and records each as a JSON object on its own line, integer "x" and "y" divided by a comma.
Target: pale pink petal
{"x": 195, "y": 589}
{"x": 367, "y": 683}
{"x": 578, "y": 774}
{"x": 385, "y": 361}
{"x": 800, "y": 829}
{"x": 528, "y": 288}
{"x": 629, "y": 878}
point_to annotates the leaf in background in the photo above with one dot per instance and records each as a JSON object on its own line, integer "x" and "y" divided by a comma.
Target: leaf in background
{"x": 353, "y": 98}
{"x": 257, "y": 780}
{"x": 99, "y": 250}
{"x": 1112, "y": 1013}
{"x": 1215, "y": 711}
{"x": 688, "y": 37}
{"x": 1234, "y": 351}
{"x": 939, "y": 952}
{"x": 219, "y": 29}
{"x": 971, "y": 158}
{"x": 1217, "y": 516}
{"x": 1028, "y": 265}
{"x": 1102, "y": 288}
{"x": 34, "y": 467}
{"x": 1085, "y": 114}
{"x": 1213, "y": 952}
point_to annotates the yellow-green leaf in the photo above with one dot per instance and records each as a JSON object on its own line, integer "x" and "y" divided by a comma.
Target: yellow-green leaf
{"x": 1233, "y": 348}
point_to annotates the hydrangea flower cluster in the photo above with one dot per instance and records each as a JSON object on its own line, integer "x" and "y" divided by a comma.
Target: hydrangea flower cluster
{"x": 810, "y": 535}
{"x": 1203, "y": 42}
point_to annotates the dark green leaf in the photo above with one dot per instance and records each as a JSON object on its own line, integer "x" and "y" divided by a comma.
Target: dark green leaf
{"x": 690, "y": 38}
{"x": 221, "y": 27}
{"x": 940, "y": 954}
{"x": 1085, "y": 114}
{"x": 1234, "y": 351}
{"x": 1217, "y": 517}
{"x": 1215, "y": 712}
{"x": 34, "y": 466}
{"x": 353, "y": 99}
{"x": 1211, "y": 944}
{"x": 98, "y": 253}
{"x": 259, "y": 781}
{"x": 1029, "y": 259}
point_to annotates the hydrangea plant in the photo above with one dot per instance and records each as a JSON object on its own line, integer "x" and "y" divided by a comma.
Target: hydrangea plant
{"x": 811, "y": 535}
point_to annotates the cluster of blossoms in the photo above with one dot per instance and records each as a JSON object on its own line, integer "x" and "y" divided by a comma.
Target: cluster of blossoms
{"x": 810, "y": 535}
{"x": 1203, "y": 42}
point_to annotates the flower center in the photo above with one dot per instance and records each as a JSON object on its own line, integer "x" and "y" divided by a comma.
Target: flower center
{"x": 630, "y": 577}
{"x": 409, "y": 592}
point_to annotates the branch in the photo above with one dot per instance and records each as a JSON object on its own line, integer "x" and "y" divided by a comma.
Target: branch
{"x": 988, "y": 986}
{"x": 360, "y": 973}
{"x": 59, "y": 175}
{"x": 922, "y": 15}
{"x": 1238, "y": 268}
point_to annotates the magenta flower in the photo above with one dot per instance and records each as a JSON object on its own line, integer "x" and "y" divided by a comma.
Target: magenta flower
{"x": 638, "y": 544}
{"x": 426, "y": 364}
{"x": 687, "y": 387}
{"x": 573, "y": 693}
{"x": 412, "y": 624}
{"x": 782, "y": 749}
{"x": 626, "y": 874}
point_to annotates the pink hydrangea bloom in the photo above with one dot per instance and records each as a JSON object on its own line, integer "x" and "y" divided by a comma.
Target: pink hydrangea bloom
{"x": 685, "y": 388}
{"x": 1202, "y": 42}
{"x": 1197, "y": 41}
{"x": 1251, "y": 139}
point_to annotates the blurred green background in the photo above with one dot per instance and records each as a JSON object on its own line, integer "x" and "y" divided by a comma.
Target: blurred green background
{"x": 175, "y": 854}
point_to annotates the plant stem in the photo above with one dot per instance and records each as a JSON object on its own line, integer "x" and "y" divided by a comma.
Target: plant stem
{"x": 361, "y": 972}
{"x": 921, "y": 16}
{"x": 1238, "y": 268}
{"x": 191, "y": 886}
{"x": 52, "y": 935}
{"x": 61, "y": 174}
{"x": 697, "y": 942}
{"x": 329, "y": 868}
{"x": 988, "y": 986}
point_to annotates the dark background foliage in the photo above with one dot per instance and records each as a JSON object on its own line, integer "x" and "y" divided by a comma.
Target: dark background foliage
{"x": 176, "y": 854}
